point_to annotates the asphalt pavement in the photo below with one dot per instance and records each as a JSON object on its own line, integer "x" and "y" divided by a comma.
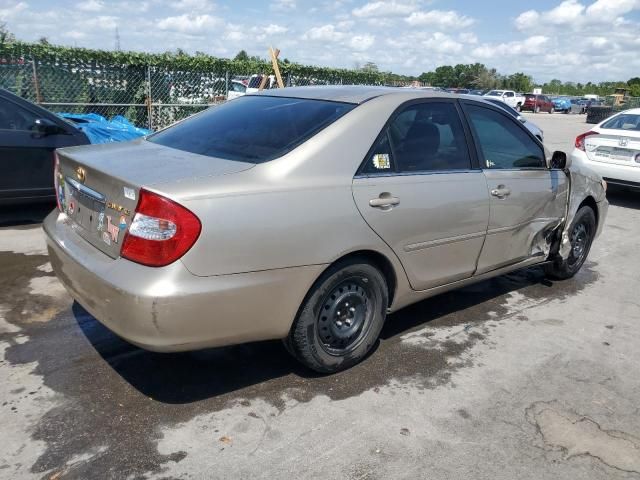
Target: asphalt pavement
{"x": 512, "y": 378}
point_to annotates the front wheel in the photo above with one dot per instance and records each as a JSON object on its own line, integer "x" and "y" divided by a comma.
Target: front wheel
{"x": 552, "y": 110}
{"x": 581, "y": 234}
{"x": 341, "y": 317}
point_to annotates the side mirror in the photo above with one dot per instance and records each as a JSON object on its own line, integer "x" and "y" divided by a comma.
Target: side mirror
{"x": 46, "y": 127}
{"x": 522, "y": 119}
{"x": 560, "y": 160}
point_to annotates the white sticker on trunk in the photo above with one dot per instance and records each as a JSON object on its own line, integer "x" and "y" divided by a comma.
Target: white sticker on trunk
{"x": 129, "y": 193}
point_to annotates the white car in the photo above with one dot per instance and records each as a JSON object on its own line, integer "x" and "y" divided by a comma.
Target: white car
{"x": 612, "y": 149}
{"x": 236, "y": 89}
{"x": 511, "y": 98}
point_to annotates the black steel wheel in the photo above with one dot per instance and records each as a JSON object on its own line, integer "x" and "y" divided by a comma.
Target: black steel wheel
{"x": 341, "y": 317}
{"x": 581, "y": 234}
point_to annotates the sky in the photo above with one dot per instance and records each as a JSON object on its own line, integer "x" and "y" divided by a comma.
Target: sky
{"x": 571, "y": 40}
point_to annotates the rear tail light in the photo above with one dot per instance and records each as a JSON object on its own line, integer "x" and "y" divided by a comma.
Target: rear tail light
{"x": 581, "y": 138}
{"x": 56, "y": 179}
{"x": 161, "y": 231}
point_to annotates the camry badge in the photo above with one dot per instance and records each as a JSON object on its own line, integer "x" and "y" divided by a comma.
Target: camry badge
{"x": 80, "y": 174}
{"x": 623, "y": 142}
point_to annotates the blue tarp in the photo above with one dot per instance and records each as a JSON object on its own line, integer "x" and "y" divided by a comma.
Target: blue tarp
{"x": 101, "y": 130}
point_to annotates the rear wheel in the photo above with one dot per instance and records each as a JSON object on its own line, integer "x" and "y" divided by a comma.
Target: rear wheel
{"x": 519, "y": 107}
{"x": 341, "y": 317}
{"x": 552, "y": 110}
{"x": 536, "y": 110}
{"x": 581, "y": 234}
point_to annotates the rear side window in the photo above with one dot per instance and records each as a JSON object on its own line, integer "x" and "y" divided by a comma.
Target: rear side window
{"x": 424, "y": 137}
{"x": 252, "y": 129}
{"x": 502, "y": 142}
{"x": 623, "y": 121}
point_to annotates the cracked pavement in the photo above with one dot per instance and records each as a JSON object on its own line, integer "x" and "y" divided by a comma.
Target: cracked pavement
{"x": 515, "y": 377}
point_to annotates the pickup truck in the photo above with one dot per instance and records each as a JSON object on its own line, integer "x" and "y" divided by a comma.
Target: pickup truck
{"x": 509, "y": 97}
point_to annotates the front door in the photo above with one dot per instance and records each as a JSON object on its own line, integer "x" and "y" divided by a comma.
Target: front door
{"x": 528, "y": 200}
{"x": 419, "y": 191}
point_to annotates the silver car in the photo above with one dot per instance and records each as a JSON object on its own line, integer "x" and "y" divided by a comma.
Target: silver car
{"x": 308, "y": 214}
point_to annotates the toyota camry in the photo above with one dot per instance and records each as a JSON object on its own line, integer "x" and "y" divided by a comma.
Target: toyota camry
{"x": 308, "y": 214}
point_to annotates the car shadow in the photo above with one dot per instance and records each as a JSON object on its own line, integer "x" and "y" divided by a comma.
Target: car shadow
{"x": 24, "y": 215}
{"x": 623, "y": 197}
{"x": 180, "y": 378}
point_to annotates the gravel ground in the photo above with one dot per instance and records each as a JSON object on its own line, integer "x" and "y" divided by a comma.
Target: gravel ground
{"x": 516, "y": 377}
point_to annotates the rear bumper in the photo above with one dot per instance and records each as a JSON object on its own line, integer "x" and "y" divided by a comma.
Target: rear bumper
{"x": 168, "y": 308}
{"x": 615, "y": 174}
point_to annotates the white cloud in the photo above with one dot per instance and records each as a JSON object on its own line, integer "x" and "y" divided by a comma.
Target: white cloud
{"x": 325, "y": 33}
{"x": 567, "y": 12}
{"x": 273, "y": 29}
{"x": 188, "y": 23}
{"x": 534, "y": 45}
{"x": 362, "y": 42}
{"x": 575, "y": 15}
{"x": 468, "y": 37}
{"x": 283, "y": 5}
{"x": 192, "y": 5}
{"x": 90, "y": 6}
{"x": 13, "y": 11}
{"x": 384, "y": 9}
{"x": 607, "y": 10}
{"x": 439, "y": 18}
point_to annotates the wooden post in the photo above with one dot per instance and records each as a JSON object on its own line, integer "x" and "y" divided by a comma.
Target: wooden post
{"x": 276, "y": 68}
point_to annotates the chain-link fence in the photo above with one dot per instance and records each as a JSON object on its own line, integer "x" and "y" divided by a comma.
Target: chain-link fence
{"x": 150, "y": 96}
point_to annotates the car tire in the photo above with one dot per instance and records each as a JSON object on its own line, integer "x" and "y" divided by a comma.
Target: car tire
{"x": 536, "y": 110}
{"x": 341, "y": 317}
{"x": 581, "y": 234}
{"x": 518, "y": 108}
{"x": 552, "y": 110}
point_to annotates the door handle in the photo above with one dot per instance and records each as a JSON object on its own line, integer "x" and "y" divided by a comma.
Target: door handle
{"x": 501, "y": 191}
{"x": 385, "y": 201}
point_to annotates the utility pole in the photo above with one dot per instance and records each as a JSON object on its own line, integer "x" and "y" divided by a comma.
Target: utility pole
{"x": 117, "y": 39}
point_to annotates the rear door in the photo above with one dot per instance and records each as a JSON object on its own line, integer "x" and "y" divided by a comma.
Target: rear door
{"x": 26, "y": 157}
{"x": 528, "y": 200}
{"x": 420, "y": 190}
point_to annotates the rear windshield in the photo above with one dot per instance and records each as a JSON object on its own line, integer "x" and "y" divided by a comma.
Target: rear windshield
{"x": 625, "y": 121}
{"x": 530, "y": 97}
{"x": 252, "y": 129}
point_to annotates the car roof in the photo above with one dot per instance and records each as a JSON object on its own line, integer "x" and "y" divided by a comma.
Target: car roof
{"x": 352, "y": 93}
{"x": 631, "y": 111}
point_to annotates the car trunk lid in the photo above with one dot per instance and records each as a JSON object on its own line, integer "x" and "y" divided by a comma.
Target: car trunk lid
{"x": 99, "y": 186}
{"x": 614, "y": 146}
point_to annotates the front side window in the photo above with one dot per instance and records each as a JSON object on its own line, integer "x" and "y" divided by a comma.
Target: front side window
{"x": 253, "y": 128}
{"x": 14, "y": 117}
{"x": 423, "y": 137}
{"x": 503, "y": 144}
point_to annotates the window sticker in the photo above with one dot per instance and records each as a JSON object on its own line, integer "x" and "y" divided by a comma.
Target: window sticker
{"x": 381, "y": 161}
{"x": 129, "y": 193}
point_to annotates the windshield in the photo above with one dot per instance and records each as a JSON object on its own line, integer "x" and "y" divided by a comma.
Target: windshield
{"x": 624, "y": 121}
{"x": 252, "y": 129}
{"x": 495, "y": 93}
